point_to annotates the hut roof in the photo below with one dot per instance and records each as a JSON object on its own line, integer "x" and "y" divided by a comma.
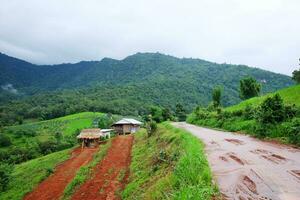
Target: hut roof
{"x": 128, "y": 121}
{"x": 92, "y": 133}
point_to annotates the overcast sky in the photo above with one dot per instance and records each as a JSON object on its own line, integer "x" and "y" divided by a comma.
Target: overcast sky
{"x": 260, "y": 33}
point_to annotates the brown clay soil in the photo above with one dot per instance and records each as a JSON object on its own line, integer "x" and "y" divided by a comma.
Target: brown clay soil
{"x": 52, "y": 188}
{"x": 110, "y": 175}
{"x": 246, "y": 168}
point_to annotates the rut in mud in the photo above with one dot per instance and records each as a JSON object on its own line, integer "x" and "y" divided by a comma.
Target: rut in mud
{"x": 246, "y": 168}
{"x": 110, "y": 175}
{"x": 53, "y": 187}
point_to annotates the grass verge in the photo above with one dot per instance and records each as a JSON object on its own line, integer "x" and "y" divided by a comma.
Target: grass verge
{"x": 85, "y": 172}
{"x": 28, "y": 175}
{"x": 171, "y": 164}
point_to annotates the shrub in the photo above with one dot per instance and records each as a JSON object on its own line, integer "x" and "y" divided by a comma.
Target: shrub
{"x": 271, "y": 110}
{"x": 5, "y": 173}
{"x": 293, "y": 132}
{"x": 151, "y": 128}
{"x": 248, "y": 113}
{"x": 4, "y": 140}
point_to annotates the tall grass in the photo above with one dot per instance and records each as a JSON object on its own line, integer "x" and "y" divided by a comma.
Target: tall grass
{"x": 171, "y": 164}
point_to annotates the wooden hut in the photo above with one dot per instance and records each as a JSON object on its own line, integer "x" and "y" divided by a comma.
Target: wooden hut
{"x": 90, "y": 137}
{"x": 126, "y": 126}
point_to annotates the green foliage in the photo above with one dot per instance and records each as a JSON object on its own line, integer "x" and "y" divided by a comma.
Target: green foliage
{"x": 216, "y": 96}
{"x": 126, "y": 87}
{"x": 271, "y": 110}
{"x": 151, "y": 127}
{"x": 26, "y": 176}
{"x": 169, "y": 165}
{"x": 105, "y": 121}
{"x": 32, "y": 140}
{"x": 4, "y": 140}
{"x": 249, "y": 88}
{"x": 5, "y": 176}
{"x": 264, "y": 117}
{"x": 296, "y": 76}
{"x": 180, "y": 112}
{"x": 86, "y": 171}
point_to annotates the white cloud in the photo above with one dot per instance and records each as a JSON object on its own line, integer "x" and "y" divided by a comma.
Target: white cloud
{"x": 261, "y": 33}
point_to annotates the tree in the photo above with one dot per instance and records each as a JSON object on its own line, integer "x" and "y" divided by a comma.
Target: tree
{"x": 156, "y": 113}
{"x": 166, "y": 114}
{"x": 249, "y": 88}
{"x": 180, "y": 112}
{"x": 296, "y": 75}
{"x": 216, "y": 96}
{"x": 271, "y": 110}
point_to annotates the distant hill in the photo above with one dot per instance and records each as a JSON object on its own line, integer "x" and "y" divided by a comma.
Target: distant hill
{"x": 127, "y": 86}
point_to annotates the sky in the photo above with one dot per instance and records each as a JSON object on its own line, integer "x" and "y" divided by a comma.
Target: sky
{"x": 258, "y": 33}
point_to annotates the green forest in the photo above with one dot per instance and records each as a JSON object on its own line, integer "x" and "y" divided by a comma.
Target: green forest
{"x": 126, "y": 87}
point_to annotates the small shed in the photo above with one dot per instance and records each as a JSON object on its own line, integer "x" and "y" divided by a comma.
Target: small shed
{"x": 127, "y": 126}
{"x": 90, "y": 137}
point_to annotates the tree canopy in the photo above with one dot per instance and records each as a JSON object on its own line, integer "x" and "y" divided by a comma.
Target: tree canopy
{"x": 249, "y": 88}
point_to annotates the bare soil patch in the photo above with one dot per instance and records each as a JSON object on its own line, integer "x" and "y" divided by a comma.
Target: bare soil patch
{"x": 110, "y": 175}
{"x": 53, "y": 187}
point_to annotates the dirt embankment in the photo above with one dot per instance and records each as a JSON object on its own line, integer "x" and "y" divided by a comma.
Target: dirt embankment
{"x": 246, "y": 168}
{"x": 110, "y": 175}
{"x": 52, "y": 188}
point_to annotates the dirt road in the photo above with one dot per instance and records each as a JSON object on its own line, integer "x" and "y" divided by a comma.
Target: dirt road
{"x": 52, "y": 188}
{"x": 247, "y": 168}
{"x": 109, "y": 176}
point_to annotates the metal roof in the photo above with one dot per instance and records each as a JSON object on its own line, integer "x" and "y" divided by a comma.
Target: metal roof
{"x": 92, "y": 133}
{"x": 128, "y": 121}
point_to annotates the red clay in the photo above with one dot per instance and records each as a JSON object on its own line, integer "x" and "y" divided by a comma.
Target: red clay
{"x": 52, "y": 188}
{"x": 110, "y": 175}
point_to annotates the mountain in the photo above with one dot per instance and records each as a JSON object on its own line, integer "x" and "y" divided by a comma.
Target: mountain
{"x": 127, "y": 86}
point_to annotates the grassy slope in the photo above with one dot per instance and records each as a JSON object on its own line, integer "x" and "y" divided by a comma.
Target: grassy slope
{"x": 27, "y": 175}
{"x": 46, "y": 129}
{"x": 170, "y": 164}
{"x": 281, "y": 131}
{"x": 290, "y": 95}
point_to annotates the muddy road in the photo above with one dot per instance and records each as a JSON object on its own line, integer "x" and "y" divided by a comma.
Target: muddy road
{"x": 247, "y": 168}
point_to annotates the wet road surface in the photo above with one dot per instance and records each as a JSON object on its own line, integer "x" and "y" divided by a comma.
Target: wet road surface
{"x": 246, "y": 168}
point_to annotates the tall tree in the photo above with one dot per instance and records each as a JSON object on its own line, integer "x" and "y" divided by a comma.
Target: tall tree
{"x": 249, "y": 88}
{"x": 216, "y": 96}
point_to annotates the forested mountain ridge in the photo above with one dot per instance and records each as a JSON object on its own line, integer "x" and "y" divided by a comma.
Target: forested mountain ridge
{"x": 127, "y": 86}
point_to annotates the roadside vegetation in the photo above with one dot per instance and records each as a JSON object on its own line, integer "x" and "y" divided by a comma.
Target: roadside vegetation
{"x": 168, "y": 163}
{"x": 24, "y": 177}
{"x": 273, "y": 116}
{"x": 86, "y": 171}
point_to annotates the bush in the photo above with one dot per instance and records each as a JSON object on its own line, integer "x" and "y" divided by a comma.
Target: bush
{"x": 272, "y": 110}
{"x": 5, "y": 173}
{"x": 293, "y": 132}
{"x": 4, "y": 140}
{"x": 249, "y": 113}
{"x": 151, "y": 128}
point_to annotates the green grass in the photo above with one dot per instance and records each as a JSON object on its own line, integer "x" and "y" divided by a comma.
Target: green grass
{"x": 45, "y": 130}
{"x": 29, "y": 174}
{"x": 85, "y": 172}
{"x": 290, "y": 95}
{"x": 171, "y": 164}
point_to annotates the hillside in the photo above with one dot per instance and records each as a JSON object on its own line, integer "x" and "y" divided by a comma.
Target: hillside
{"x": 34, "y": 139}
{"x": 290, "y": 95}
{"x": 269, "y": 116}
{"x": 127, "y": 86}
